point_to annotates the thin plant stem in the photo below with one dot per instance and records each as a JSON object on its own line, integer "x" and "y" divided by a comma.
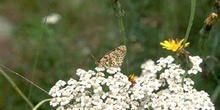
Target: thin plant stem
{"x": 24, "y": 78}
{"x": 38, "y": 51}
{"x": 122, "y": 30}
{"x": 201, "y": 47}
{"x": 40, "y": 103}
{"x": 215, "y": 93}
{"x": 119, "y": 13}
{"x": 122, "y": 33}
{"x": 190, "y": 23}
{"x": 16, "y": 88}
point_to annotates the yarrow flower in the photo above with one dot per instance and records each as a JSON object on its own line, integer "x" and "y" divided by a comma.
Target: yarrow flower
{"x": 98, "y": 89}
{"x": 195, "y": 60}
{"x": 173, "y": 45}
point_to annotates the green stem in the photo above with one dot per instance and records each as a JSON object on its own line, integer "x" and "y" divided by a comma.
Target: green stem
{"x": 122, "y": 30}
{"x": 217, "y": 89}
{"x": 17, "y": 89}
{"x": 23, "y": 78}
{"x": 215, "y": 93}
{"x": 119, "y": 13}
{"x": 40, "y": 103}
{"x": 190, "y": 23}
{"x": 38, "y": 50}
{"x": 122, "y": 33}
{"x": 201, "y": 47}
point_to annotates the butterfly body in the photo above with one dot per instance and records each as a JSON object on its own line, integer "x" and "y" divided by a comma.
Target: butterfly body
{"x": 114, "y": 58}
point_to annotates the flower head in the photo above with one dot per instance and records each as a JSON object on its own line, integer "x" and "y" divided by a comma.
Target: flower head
{"x": 99, "y": 91}
{"x": 173, "y": 45}
{"x": 211, "y": 19}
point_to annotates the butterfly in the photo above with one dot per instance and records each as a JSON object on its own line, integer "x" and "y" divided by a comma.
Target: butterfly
{"x": 114, "y": 58}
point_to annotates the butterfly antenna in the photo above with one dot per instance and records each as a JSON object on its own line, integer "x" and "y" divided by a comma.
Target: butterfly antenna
{"x": 93, "y": 56}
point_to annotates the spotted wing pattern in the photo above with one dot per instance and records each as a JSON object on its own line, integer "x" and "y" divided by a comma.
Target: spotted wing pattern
{"x": 114, "y": 58}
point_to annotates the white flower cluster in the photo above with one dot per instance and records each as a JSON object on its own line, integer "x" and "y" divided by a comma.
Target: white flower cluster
{"x": 93, "y": 90}
{"x": 176, "y": 92}
{"x": 161, "y": 86}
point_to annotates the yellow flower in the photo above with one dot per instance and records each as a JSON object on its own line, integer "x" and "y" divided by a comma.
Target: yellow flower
{"x": 173, "y": 45}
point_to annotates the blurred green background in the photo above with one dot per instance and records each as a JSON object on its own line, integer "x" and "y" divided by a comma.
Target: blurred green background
{"x": 89, "y": 27}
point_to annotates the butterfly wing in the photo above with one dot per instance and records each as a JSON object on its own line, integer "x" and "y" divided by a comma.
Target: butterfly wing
{"x": 113, "y": 58}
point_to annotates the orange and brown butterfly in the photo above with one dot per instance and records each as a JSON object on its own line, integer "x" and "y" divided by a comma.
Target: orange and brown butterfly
{"x": 114, "y": 58}
{"x": 131, "y": 78}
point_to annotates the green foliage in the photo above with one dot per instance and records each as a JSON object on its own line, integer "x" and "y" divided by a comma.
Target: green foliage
{"x": 89, "y": 26}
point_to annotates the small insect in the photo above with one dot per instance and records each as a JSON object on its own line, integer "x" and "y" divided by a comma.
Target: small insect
{"x": 131, "y": 78}
{"x": 114, "y": 58}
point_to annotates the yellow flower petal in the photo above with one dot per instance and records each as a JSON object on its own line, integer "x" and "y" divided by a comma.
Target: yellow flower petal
{"x": 173, "y": 45}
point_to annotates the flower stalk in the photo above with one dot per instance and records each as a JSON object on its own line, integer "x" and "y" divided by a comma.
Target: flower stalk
{"x": 119, "y": 13}
{"x": 190, "y": 23}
